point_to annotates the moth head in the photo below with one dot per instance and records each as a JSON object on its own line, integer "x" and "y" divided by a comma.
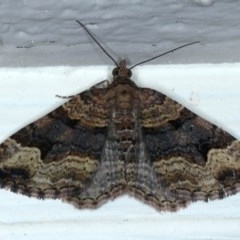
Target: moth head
{"x": 121, "y": 71}
{"x": 118, "y": 73}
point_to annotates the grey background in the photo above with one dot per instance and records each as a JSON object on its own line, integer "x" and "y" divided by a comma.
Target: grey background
{"x": 44, "y": 33}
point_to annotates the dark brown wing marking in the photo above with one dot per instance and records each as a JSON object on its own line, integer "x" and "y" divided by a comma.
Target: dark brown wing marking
{"x": 191, "y": 159}
{"x": 58, "y": 155}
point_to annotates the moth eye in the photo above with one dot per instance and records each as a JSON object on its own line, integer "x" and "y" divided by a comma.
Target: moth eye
{"x": 129, "y": 73}
{"x": 115, "y": 72}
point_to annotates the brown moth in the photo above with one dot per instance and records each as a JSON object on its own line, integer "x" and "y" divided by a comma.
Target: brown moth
{"x": 117, "y": 138}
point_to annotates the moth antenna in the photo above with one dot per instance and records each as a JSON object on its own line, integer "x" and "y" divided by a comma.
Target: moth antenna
{"x": 97, "y": 42}
{"x": 162, "y": 54}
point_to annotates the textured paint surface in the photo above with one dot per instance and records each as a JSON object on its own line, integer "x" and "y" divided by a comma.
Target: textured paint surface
{"x": 46, "y": 34}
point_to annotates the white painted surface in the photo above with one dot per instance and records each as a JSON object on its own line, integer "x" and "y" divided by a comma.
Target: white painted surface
{"x": 26, "y": 94}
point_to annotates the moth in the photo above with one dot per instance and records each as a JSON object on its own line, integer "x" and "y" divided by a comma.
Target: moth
{"x": 117, "y": 138}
